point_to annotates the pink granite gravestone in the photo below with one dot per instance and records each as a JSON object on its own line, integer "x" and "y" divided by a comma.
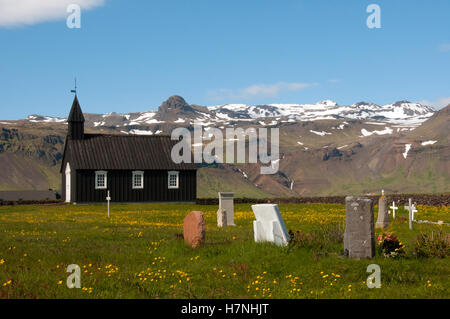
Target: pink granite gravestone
{"x": 383, "y": 214}
{"x": 194, "y": 229}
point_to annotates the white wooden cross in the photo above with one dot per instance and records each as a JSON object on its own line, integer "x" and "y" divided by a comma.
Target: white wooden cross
{"x": 410, "y": 208}
{"x": 394, "y": 208}
{"x": 414, "y": 210}
{"x": 108, "y": 199}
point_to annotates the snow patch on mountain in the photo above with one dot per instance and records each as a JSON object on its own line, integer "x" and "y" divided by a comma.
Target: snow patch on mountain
{"x": 323, "y": 133}
{"x": 428, "y": 143}
{"x": 154, "y": 121}
{"x": 99, "y": 124}
{"x": 144, "y": 117}
{"x": 141, "y": 132}
{"x": 407, "y": 148}
{"x": 387, "y": 130}
{"x": 45, "y": 119}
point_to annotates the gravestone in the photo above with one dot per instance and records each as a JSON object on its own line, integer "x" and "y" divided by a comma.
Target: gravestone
{"x": 226, "y": 202}
{"x": 359, "y": 236}
{"x": 194, "y": 229}
{"x": 383, "y": 215}
{"x": 221, "y": 218}
{"x": 410, "y": 209}
{"x": 108, "y": 199}
{"x": 414, "y": 211}
{"x": 269, "y": 225}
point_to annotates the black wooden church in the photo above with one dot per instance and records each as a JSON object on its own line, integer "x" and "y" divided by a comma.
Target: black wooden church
{"x": 133, "y": 168}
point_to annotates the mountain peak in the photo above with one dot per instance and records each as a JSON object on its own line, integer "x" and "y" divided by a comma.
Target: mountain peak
{"x": 327, "y": 103}
{"x": 399, "y": 103}
{"x": 363, "y": 103}
{"x": 175, "y": 107}
{"x": 175, "y": 102}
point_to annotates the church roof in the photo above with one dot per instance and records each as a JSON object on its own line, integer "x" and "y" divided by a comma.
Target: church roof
{"x": 123, "y": 152}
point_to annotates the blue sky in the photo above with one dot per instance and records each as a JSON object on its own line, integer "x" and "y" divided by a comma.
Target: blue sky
{"x": 132, "y": 55}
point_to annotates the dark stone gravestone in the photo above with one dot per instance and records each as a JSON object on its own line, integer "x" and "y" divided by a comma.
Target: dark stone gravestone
{"x": 359, "y": 236}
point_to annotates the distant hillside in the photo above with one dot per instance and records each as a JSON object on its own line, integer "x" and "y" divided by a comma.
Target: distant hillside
{"x": 326, "y": 149}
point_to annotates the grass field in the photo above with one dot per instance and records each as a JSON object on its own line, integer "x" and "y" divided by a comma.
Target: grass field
{"x": 138, "y": 253}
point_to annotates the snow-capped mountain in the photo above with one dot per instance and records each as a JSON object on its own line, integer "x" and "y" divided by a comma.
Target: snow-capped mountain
{"x": 404, "y": 146}
{"x": 177, "y": 111}
{"x": 402, "y": 112}
{"x": 44, "y": 119}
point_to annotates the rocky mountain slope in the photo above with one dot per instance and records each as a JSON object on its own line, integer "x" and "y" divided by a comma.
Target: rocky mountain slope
{"x": 326, "y": 149}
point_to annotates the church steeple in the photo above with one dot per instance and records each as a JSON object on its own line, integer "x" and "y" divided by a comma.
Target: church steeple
{"x": 76, "y": 121}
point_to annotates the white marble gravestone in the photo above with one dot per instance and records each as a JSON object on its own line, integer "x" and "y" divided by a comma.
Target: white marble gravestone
{"x": 226, "y": 203}
{"x": 269, "y": 225}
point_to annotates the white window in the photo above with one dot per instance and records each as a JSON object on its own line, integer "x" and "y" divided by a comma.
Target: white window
{"x": 173, "y": 180}
{"x": 101, "y": 180}
{"x": 138, "y": 180}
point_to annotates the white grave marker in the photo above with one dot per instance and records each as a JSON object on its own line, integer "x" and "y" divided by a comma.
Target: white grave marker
{"x": 410, "y": 209}
{"x": 108, "y": 199}
{"x": 269, "y": 225}
{"x": 226, "y": 202}
{"x": 394, "y": 208}
{"x": 414, "y": 211}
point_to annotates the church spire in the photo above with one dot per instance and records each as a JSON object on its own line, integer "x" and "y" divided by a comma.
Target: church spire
{"x": 76, "y": 121}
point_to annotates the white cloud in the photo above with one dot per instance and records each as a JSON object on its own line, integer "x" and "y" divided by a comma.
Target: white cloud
{"x": 438, "y": 104}
{"x": 258, "y": 91}
{"x": 444, "y": 47}
{"x": 15, "y": 13}
{"x": 334, "y": 80}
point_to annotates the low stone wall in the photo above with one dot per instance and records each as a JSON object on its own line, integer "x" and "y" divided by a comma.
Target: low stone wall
{"x": 33, "y": 195}
{"x": 400, "y": 199}
{"x": 29, "y": 202}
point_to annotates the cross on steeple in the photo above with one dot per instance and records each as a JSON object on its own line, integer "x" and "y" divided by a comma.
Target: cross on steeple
{"x": 75, "y": 90}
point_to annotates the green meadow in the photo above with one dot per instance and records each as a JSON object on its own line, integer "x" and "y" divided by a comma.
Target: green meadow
{"x": 139, "y": 253}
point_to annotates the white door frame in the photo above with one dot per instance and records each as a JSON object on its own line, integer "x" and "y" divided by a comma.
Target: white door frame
{"x": 68, "y": 183}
